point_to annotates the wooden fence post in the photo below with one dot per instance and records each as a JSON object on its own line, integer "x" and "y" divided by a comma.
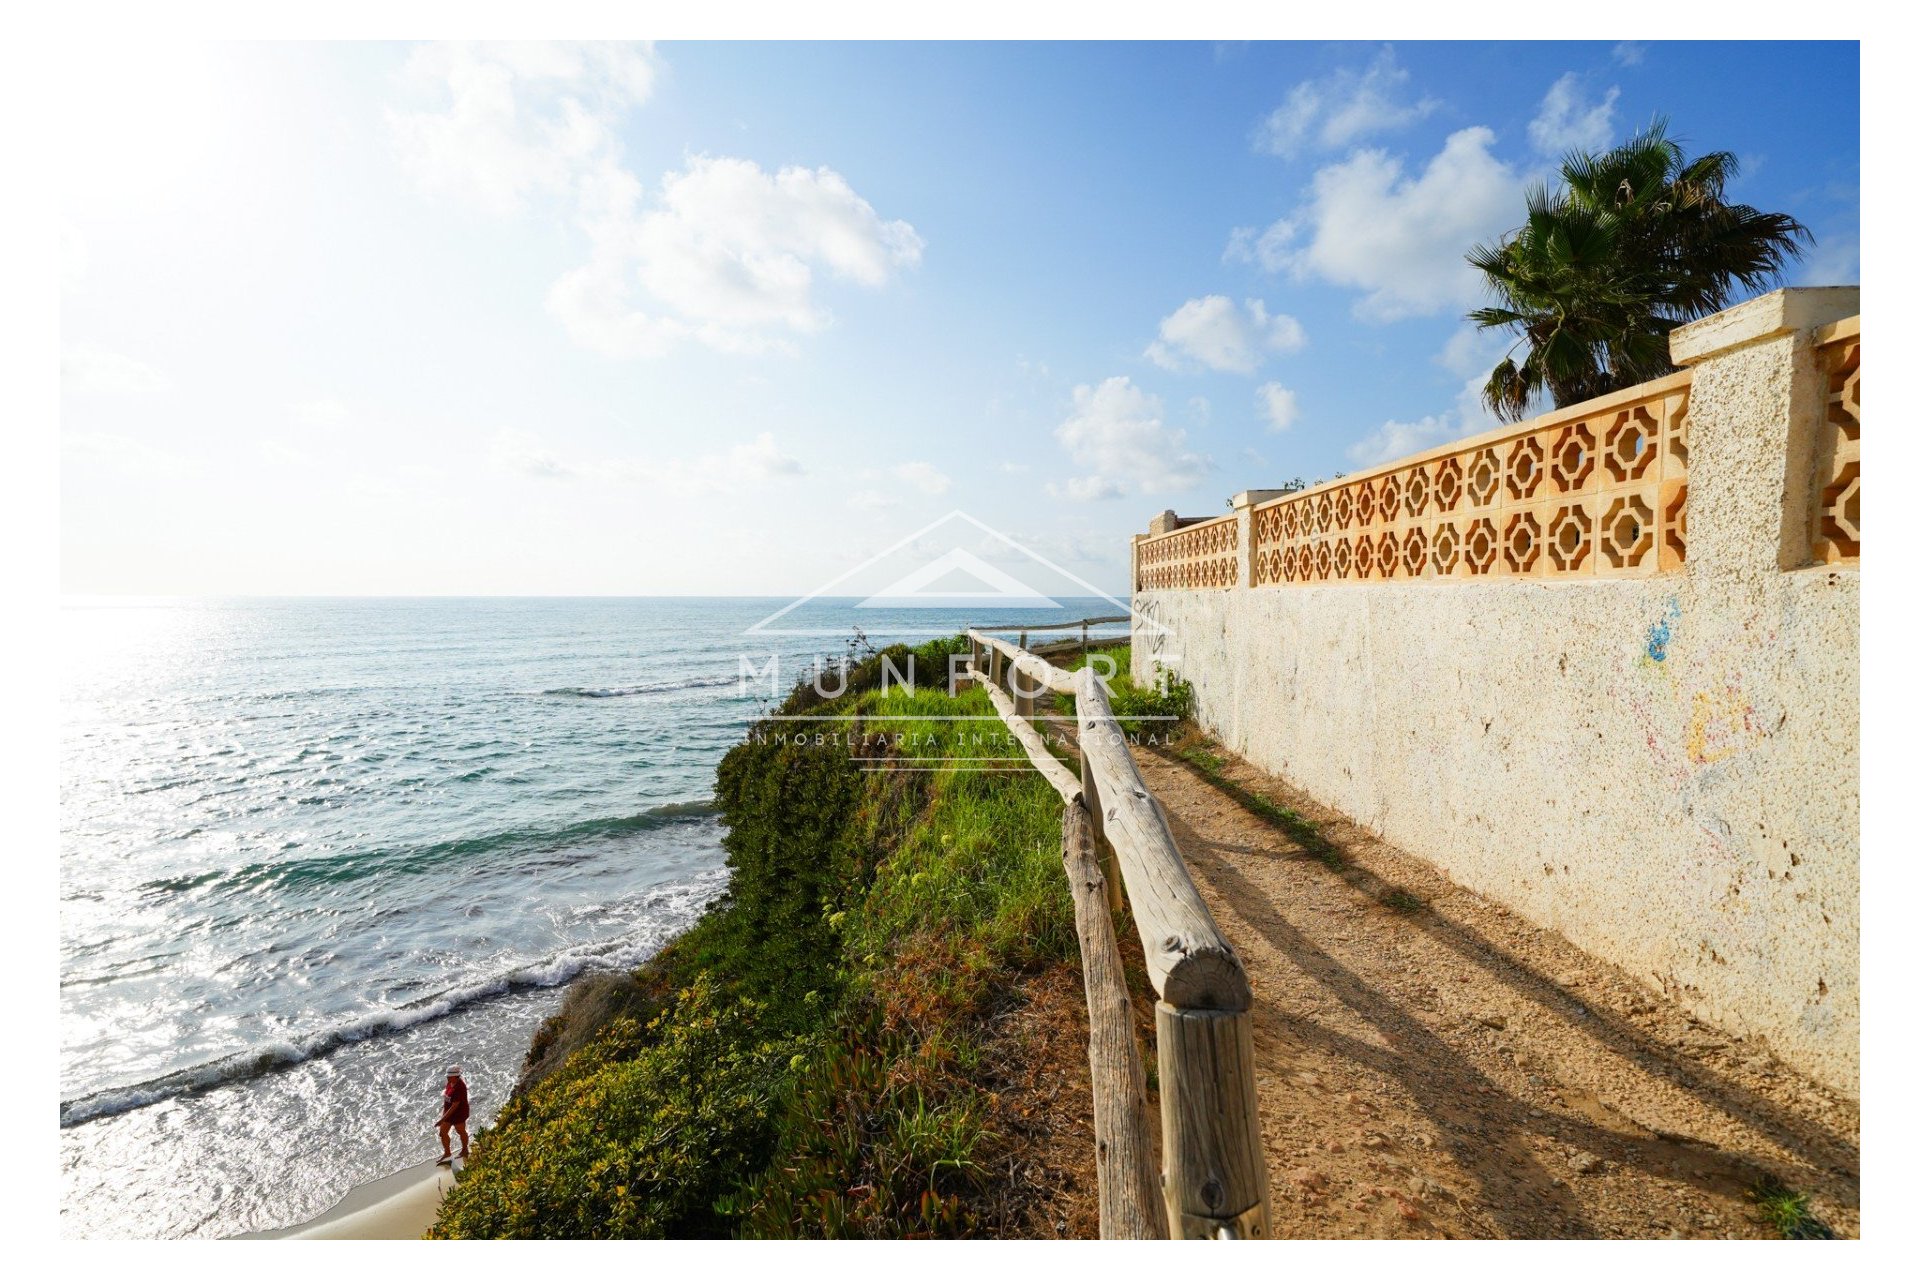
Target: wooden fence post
{"x": 1097, "y": 821}
{"x": 1131, "y": 1201}
{"x": 1215, "y": 1165}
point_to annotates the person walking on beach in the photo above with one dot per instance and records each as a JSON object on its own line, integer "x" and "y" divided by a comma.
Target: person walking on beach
{"x": 453, "y": 1115}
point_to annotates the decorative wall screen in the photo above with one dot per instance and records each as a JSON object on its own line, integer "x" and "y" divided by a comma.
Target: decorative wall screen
{"x": 1200, "y": 555}
{"x": 1601, "y": 493}
{"x": 1836, "y": 514}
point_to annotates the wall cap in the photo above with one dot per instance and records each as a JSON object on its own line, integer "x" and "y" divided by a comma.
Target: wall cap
{"x": 1770, "y": 314}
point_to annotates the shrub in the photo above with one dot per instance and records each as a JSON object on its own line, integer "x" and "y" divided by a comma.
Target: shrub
{"x": 637, "y": 1135}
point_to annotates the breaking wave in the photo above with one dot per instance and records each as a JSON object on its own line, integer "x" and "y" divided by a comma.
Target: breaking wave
{"x": 670, "y": 908}
{"x": 636, "y": 690}
{"x": 289, "y": 873}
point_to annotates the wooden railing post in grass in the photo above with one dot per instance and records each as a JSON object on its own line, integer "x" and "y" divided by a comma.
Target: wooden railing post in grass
{"x": 1131, "y": 1206}
{"x": 1023, "y": 691}
{"x": 1214, "y": 1164}
{"x": 1215, "y": 1172}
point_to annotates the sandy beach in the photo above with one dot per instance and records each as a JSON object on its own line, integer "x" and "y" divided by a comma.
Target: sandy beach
{"x": 400, "y": 1206}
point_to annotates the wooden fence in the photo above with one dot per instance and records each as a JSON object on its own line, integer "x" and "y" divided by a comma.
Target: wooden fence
{"x": 1113, "y": 832}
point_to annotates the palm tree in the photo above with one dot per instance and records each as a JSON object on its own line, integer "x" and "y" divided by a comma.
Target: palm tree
{"x": 1635, "y": 242}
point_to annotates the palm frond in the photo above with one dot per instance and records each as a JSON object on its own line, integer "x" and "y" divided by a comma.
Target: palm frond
{"x": 1633, "y": 241}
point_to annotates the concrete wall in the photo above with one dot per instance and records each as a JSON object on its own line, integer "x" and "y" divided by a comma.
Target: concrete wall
{"x": 1665, "y": 769}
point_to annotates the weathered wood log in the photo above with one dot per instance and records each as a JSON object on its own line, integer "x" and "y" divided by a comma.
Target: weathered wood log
{"x": 1038, "y": 672}
{"x": 1061, "y": 626}
{"x": 1132, "y": 1204}
{"x": 1189, "y": 960}
{"x": 1096, "y": 817}
{"x": 1216, "y": 1167}
{"x": 1057, "y": 775}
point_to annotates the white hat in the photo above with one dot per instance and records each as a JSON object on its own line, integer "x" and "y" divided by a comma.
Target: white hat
{"x": 453, "y": 1071}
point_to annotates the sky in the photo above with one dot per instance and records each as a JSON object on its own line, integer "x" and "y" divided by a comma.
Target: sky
{"x": 706, "y": 319}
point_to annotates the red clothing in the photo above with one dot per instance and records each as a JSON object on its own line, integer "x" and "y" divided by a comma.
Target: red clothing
{"x": 456, "y": 1096}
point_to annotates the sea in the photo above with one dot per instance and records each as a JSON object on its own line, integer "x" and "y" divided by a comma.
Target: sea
{"x": 315, "y": 851}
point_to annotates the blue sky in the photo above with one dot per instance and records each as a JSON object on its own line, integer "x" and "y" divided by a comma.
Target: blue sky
{"x": 725, "y": 318}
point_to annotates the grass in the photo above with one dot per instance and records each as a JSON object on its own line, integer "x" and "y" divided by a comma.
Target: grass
{"x": 1787, "y": 1211}
{"x": 808, "y": 1059}
{"x": 1152, "y": 711}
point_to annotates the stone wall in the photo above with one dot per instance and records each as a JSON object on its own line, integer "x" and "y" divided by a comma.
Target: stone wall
{"x": 1657, "y": 756}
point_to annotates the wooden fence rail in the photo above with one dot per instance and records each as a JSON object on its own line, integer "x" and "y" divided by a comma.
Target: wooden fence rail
{"x": 1214, "y": 1183}
{"x": 1061, "y": 626}
{"x": 1084, "y": 626}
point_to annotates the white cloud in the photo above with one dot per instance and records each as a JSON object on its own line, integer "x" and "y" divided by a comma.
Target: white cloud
{"x": 758, "y": 459}
{"x": 283, "y": 454}
{"x": 90, "y": 369}
{"x": 1214, "y": 332}
{"x": 517, "y": 118}
{"x": 523, "y": 453}
{"x": 1398, "y": 439}
{"x": 868, "y": 500}
{"x": 728, "y": 255}
{"x": 722, "y": 253}
{"x": 327, "y": 415}
{"x": 1568, "y": 121}
{"x": 1469, "y": 353}
{"x": 124, "y": 454}
{"x": 1118, "y": 432}
{"x": 749, "y": 464}
{"x": 1473, "y": 350}
{"x": 1086, "y": 489}
{"x": 736, "y": 245}
{"x": 923, "y": 476}
{"x": 1629, "y": 53}
{"x": 1470, "y": 413}
{"x": 1401, "y": 237}
{"x": 1342, "y": 108}
{"x": 1278, "y": 406}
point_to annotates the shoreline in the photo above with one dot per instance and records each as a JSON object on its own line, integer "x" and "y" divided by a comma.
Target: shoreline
{"x": 399, "y": 1206}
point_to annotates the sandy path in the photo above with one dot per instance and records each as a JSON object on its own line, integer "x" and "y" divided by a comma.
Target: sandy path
{"x": 1453, "y": 1071}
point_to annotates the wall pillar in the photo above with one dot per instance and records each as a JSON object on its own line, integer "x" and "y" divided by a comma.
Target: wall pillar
{"x": 1756, "y": 404}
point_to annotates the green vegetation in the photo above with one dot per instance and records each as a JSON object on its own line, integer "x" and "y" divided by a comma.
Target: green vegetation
{"x": 1301, "y": 830}
{"x": 1787, "y": 1212}
{"x": 808, "y": 1059}
{"x": 1633, "y": 243}
{"x": 1153, "y": 710}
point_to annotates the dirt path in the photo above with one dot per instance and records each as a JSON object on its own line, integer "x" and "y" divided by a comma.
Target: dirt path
{"x": 1445, "y": 1069}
